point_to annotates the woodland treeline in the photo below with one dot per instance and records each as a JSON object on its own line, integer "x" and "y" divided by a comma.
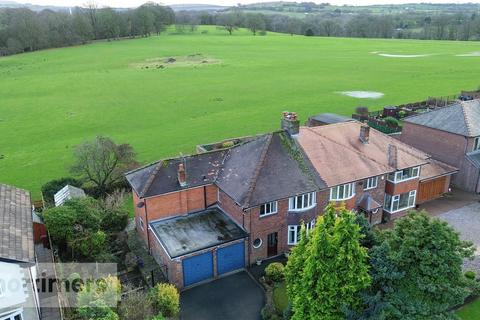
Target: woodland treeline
{"x": 24, "y": 30}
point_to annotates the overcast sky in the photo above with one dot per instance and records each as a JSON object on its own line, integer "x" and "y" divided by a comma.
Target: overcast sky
{"x": 135, "y": 3}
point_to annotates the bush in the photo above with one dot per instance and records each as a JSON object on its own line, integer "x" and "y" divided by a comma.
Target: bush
{"x": 274, "y": 272}
{"x": 269, "y": 313}
{"x": 262, "y": 33}
{"x": 136, "y": 305}
{"x": 53, "y": 186}
{"x": 157, "y": 317}
{"x": 166, "y": 299}
{"x": 470, "y": 275}
{"x": 391, "y": 121}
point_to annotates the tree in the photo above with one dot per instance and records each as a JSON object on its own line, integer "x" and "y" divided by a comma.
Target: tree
{"x": 230, "y": 21}
{"x": 417, "y": 271}
{"x": 102, "y": 162}
{"x": 75, "y": 227}
{"x": 255, "y": 22}
{"x": 334, "y": 269}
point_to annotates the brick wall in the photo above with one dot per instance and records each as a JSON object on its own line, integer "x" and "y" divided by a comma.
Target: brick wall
{"x": 447, "y": 147}
{"x": 441, "y": 145}
{"x": 402, "y": 187}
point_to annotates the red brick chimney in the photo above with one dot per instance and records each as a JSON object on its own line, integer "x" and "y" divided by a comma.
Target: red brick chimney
{"x": 364, "y": 133}
{"x": 290, "y": 123}
{"x": 182, "y": 175}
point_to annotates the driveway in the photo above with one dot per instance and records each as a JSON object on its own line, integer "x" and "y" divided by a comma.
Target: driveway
{"x": 466, "y": 220}
{"x": 236, "y": 297}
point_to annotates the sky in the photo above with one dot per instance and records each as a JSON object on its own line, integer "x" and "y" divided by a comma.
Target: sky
{"x": 135, "y": 3}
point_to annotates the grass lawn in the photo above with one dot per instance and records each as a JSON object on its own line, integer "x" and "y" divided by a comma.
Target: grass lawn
{"x": 280, "y": 297}
{"x": 52, "y": 100}
{"x": 471, "y": 311}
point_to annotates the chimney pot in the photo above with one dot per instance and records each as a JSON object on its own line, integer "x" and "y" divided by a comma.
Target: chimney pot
{"x": 364, "y": 133}
{"x": 290, "y": 123}
{"x": 182, "y": 175}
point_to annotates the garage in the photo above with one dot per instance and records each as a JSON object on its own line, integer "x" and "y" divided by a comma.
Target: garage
{"x": 434, "y": 180}
{"x": 231, "y": 258}
{"x": 197, "y": 268}
{"x": 198, "y": 246}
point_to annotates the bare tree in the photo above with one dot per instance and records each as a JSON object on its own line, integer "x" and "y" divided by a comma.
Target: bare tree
{"x": 102, "y": 162}
{"x": 92, "y": 8}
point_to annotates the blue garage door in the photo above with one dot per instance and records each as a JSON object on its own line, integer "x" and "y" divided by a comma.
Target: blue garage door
{"x": 231, "y": 258}
{"x": 197, "y": 268}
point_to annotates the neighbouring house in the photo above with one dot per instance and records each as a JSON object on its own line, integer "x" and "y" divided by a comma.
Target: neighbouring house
{"x": 18, "y": 272}
{"x": 451, "y": 135}
{"x": 213, "y": 213}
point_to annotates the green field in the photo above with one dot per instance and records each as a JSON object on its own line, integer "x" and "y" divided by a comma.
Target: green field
{"x": 52, "y": 100}
{"x": 470, "y": 312}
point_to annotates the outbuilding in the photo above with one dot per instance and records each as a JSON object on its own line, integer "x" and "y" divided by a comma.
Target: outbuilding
{"x": 199, "y": 247}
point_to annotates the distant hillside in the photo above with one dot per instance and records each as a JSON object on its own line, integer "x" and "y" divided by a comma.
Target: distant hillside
{"x": 34, "y": 7}
{"x": 197, "y": 7}
{"x": 310, "y": 7}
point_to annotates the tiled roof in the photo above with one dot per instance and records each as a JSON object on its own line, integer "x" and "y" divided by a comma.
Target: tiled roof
{"x": 161, "y": 177}
{"x": 268, "y": 167}
{"x": 435, "y": 169}
{"x": 340, "y": 157}
{"x": 16, "y": 226}
{"x": 462, "y": 117}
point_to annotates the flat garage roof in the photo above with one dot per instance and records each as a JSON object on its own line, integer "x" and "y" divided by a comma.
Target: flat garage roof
{"x": 197, "y": 231}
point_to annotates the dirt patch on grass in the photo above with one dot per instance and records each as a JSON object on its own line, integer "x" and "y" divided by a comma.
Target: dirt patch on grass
{"x": 471, "y": 54}
{"x": 191, "y": 60}
{"x": 363, "y": 94}
{"x": 388, "y": 55}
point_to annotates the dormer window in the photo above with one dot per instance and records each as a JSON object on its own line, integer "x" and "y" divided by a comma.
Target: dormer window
{"x": 476, "y": 144}
{"x": 302, "y": 202}
{"x": 342, "y": 192}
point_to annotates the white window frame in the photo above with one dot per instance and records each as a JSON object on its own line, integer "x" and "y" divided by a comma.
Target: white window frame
{"x": 142, "y": 225}
{"x": 271, "y": 206}
{"x": 307, "y": 198}
{"x": 296, "y": 232}
{"x": 256, "y": 247}
{"x": 398, "y": 175}
{"x": 412, "y": 198}
{"x": 296, "y": 229}
{"x": 345, "y": 195}
{"x": 476, "y": 144}
{"x": 11, "y": 316}
{"x": 370, "y": 183}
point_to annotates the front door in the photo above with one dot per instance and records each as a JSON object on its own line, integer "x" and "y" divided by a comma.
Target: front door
{"x": 272, "y": 244}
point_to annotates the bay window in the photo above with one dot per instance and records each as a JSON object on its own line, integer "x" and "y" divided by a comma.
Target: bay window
{"x": 403, "y": 175}
{"x": 400, "y": 202}
{"x": 294, "y": 232}
{"x": 302, "y": 202}
{"x": 268, "y": 208}
{"x": 342, "y": 192}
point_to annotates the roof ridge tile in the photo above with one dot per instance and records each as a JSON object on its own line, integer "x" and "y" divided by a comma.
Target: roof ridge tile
{"x": 256, "y": 173}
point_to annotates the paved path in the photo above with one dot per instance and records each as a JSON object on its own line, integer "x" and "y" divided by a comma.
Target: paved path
{"x": 236, "y": 297}
{"x": 466, "y": 220}
{"x": 49, "y": 305}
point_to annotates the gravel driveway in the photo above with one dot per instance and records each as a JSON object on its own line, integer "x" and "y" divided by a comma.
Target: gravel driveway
{"x": 466, "y": 220}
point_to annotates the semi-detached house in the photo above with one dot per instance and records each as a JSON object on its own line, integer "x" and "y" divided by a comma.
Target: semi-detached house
{"x": 213, "y": 213}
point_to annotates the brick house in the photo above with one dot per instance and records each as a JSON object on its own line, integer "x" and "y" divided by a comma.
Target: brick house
{"x": 212, "y": 213}
{"x": 451, "y": 135}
